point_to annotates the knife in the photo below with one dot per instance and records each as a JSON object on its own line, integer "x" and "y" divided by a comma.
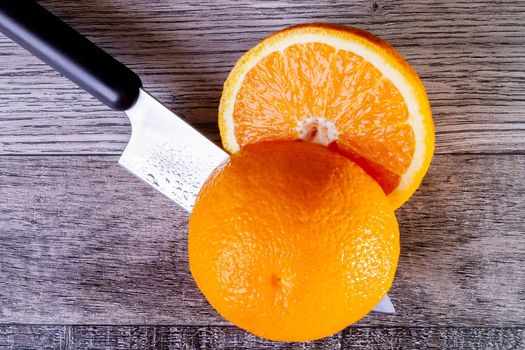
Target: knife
{"x": 163, "y": 150}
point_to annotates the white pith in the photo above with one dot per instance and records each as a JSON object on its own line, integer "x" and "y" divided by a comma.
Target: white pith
{"x": 317, "y": 130}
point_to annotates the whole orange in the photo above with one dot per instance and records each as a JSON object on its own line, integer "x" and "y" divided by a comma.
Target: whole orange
{"x": 291, "y": 241}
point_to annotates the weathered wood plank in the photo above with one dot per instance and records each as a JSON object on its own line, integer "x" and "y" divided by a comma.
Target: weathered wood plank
{"x": 232, "y": 338}
{"x": 33, "y": 337}
{"x": 470, "y": 55}
{"x": 167, "y": 337}
{"x": 223, "y": 338}
{"x": 82, "y": 241}
{"x": 433, "y": 338}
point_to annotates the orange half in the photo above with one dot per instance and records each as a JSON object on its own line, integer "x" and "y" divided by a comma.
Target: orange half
{"x": 337, "y": 86}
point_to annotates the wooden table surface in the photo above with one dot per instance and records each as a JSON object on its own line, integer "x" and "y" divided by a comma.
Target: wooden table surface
{"x": 91, "y": 257}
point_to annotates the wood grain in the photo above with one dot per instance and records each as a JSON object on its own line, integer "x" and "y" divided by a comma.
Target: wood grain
{"x": 232, "y": 338}
{"x": 82, "y": 241}
{"x": 470, "y": 55}
{"x": 33, "y": 337}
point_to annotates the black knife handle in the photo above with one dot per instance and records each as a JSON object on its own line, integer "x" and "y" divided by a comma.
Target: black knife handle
{"x": 57, "y": 44}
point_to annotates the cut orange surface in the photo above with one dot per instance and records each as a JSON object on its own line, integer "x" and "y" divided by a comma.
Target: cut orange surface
{"x": 291, "y": 241}
{"x": 337, "y": 86}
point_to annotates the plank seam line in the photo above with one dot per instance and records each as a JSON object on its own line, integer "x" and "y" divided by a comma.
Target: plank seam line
{"x": 517, "y": 327}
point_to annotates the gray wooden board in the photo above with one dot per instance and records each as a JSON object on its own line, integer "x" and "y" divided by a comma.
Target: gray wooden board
{"x": 83, "y": 241}
{"x": 232, "y": 338}
{"x": 470, "y": 55}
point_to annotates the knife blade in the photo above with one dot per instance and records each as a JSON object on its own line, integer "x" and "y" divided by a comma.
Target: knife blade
{"x": 163, "y": 150}
{"x": 168, "y": 153}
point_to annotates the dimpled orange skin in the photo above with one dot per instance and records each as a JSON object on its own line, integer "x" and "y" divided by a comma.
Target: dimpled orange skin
{"x": 292, "y": 242}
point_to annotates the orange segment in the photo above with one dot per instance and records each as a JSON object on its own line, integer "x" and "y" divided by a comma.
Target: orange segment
{"x": 333, "y": 85}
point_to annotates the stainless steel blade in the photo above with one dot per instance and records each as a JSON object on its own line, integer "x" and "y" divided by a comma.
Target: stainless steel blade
{"x": 174, "y": 158}
{"x": 385, "y": 306}
{"x": 168, "y": 153}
